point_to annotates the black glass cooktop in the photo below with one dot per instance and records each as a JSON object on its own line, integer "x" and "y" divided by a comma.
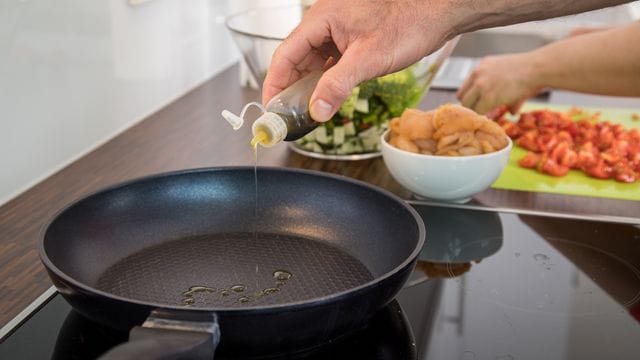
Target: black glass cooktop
{"x": 487, "y": 286}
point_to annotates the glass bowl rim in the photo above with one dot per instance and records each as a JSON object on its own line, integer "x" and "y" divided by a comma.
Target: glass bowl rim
{"x": 236, "y": 15}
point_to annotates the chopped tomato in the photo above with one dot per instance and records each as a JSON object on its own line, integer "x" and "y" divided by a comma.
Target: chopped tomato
{"x": 498, "y": 112}
{"x": 556, "y": 144}
{"x": 552, "y": 168}
{"x": 600, "y": 170}
{"x": 527, "y": 121}
{"x": 528, "y": 141}
{"x": 512, "y": 130}
{"x": 530, "y": 160}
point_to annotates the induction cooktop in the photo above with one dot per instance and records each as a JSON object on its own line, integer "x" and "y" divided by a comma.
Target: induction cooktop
{"x": 488, "y": 285}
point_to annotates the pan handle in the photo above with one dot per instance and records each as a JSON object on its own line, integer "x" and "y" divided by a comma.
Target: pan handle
{"x": 170, "y": 335}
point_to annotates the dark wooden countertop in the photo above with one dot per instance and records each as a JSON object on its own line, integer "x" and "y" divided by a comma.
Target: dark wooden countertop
{"x": 191, "y": 133}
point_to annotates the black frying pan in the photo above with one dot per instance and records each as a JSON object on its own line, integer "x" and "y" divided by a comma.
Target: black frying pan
{"x": 190, "y": 255}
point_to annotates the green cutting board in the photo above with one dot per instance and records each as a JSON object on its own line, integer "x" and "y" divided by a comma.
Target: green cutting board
{"x": 575, "y": 182}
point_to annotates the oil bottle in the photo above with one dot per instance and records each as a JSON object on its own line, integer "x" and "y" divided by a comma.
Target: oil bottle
{"x": 285, "y": 118}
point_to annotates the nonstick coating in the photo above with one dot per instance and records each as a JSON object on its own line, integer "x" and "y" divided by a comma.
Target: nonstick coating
{"x": 124, "y": 251}
{"x": 235, "y": 270}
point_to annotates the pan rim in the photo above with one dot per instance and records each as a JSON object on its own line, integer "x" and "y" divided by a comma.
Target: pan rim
{"x": 289, "y": 306}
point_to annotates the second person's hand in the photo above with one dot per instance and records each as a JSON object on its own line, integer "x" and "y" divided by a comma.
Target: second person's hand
{"x": 500, "y": 80}
{"x": 357, "y": 40}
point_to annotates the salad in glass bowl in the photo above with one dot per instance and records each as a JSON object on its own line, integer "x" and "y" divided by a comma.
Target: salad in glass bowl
{"x": 354, "y": 132}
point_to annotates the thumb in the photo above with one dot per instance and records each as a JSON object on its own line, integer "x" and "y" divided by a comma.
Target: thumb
{"x": 336, "y": 84}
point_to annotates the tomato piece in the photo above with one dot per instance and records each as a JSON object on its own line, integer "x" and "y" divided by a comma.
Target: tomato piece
{"x": 564, "y": 122}
{"x": 588, "y": 146}
{"x": 527, "y": 121}
{"x": 624, "y": 173}
{"x": 511, "y": 129}
{"x": 552, "y": 168}
{"x": 618, "y": 129}
{"x": 586, "y": 160}
{"x": 528, "y": 141}
{"x": 620, "y": 147}
{"x": 547, "y": 119}
{"x": 565, "y": 136}
{"x": 530, "y": 160}
{"x": 610, "y": 157}
{"x": 569, "y": 159}
{"x": 588, "y": 135}
{"x": 564, "y": 155}
{"x": 546, "y": 142}
{"x": 605, "y": 138}
{"x": 600, "y": 170}
{"x": 497, "y": 112}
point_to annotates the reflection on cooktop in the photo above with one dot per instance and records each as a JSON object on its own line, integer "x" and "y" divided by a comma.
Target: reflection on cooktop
{"x": 456, "y": 240}
{"x": 543, "y": 288}
{"x": 486, "y": 286}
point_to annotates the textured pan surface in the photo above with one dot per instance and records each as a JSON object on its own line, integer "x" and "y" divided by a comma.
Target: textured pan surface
{"x": 234, "y": 270}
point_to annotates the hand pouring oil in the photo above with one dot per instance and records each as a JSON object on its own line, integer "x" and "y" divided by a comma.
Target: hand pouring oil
{"x": 286, "y": 116}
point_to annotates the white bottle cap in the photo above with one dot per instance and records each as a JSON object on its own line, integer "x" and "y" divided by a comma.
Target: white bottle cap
{"x": 237, "y": 121}
{"x": 233, "y": 119}
{"x": 273, "y": 125}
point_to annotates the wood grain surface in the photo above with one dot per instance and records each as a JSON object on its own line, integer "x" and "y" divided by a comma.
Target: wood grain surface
{"x": 190, "y": 133}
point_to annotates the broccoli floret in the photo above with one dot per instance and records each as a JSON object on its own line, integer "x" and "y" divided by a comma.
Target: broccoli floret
{"x": 367, "y": 89}
{"x": 399, "y": 91}
{"x": 349, "y": 106}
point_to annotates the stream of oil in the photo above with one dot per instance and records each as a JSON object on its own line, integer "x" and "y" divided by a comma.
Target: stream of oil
{"x": 259, "y": 138}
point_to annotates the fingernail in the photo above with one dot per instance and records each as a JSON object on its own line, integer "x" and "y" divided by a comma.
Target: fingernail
{"x": 321, "y": 110}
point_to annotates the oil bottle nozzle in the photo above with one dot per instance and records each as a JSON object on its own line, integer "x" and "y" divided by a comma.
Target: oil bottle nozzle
{"x": 237, "y": 121}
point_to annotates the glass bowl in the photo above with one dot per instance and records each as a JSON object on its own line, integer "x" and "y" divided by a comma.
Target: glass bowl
{"x": 354, "y": 132}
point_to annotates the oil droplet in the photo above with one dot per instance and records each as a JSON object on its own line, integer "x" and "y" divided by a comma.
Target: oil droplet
{"x": 224, "y": 292}
{"x": 282, "y": 275}
{"x": 196, "y": 289}
{"x": 260, "y": 137}
{"x": 188, "y": 301}
{"x": 238, "y": 288}
{"x": 540, "y": 257}
{"x": 269, "y": 291}
{"x": 244, "y": 300}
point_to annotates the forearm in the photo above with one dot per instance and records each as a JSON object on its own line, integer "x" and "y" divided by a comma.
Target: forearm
{"x": 606, "y": 63}
{"x": 470, "y": 15}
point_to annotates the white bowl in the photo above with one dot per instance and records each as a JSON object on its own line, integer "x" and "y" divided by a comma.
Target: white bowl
{"x": 444, "y": 178}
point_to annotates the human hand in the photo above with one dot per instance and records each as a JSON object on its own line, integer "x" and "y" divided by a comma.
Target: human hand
{"x": 583, "y": 30}
{"x": 500, "y": 80}
{"x": 357, "y": 40}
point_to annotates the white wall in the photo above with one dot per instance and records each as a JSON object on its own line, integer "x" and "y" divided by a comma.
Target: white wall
{"x": 73, "y": 73}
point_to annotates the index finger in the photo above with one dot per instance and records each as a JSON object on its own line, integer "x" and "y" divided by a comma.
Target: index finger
{"x": 283, "y": 71}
